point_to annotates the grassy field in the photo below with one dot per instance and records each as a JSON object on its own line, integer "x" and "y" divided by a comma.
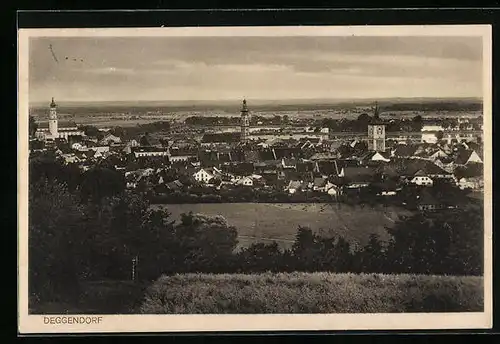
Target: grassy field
{"x": 265, "y": 222}
{"x": 312, "y": 293}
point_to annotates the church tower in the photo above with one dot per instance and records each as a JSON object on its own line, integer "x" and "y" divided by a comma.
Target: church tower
{"x": 376, "y": 133}
{"x": 53, "y": 119}
{"x": 245, "y": 122}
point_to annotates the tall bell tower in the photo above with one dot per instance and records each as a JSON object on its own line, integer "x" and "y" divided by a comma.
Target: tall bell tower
{"x": 53, "y": 119}
{"x": 376, "y": 133}
{"x": 245, "y": 122}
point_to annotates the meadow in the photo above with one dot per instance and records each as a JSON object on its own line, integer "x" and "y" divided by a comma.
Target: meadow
{"x": 267, "y": 222}
{"x": 312, "y": 293}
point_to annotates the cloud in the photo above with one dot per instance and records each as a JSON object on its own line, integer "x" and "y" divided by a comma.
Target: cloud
{"x": 111, "y": 71}
{"x": 273, "y": 67}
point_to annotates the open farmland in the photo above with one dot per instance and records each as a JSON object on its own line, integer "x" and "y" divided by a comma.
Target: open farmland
{"x": 265, "y": 222}
{"x": 312, "y": 293}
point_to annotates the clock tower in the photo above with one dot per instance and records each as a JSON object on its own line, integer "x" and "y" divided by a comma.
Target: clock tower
{"x": 376, "y": 133}
{"x": 53, "y": 128}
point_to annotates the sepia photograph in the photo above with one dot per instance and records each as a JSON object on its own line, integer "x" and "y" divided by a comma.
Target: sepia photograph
{"x": 192, "y": 179}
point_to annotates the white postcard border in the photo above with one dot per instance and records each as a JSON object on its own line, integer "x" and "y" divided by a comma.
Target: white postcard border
{"x": 201, "y": 323}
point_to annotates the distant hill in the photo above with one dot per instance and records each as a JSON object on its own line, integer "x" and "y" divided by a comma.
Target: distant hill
{"x": 387, "y": 104}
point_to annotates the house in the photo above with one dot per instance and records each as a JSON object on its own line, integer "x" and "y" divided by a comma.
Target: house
{"x": 174, "y": 186}
{"x": 148, "y": 151}
{"x": 294, "y": 186}
{"x": 204, "y": 175}
{"x": 78, "y": 146}
{"x": 447, "y": 164}
{"x": 331, "y": 189}
{"x": 470, "y": 176}
{"x": 109, "y": 139}
{"x": 386, "y": 188}
{"x": 289, "y": 163}
{"x": 421, "y": 179}
{"x": 357, "y": 177}
{"x": 437, "y": 154}
{"x": 465, "y": 157}
{"x": 319, "y": 184}
{"x": 245, "y": 181}
{"x": 70, "y": 158}
{"x": 179, "y": 154}
{"x": 326, "y": 168}
{"x": 416, "y": 167}
{"x": 474, "y": 183}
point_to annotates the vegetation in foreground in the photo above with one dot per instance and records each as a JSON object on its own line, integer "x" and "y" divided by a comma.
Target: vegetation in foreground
{"x": 312, "y": 293}
{"x": 92, "y": 230}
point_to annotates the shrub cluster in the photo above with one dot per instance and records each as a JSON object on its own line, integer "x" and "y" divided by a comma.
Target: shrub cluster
{"x": 285, "y": 293}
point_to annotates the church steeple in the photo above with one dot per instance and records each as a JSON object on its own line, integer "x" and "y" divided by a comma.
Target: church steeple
{"x": 245, "y": 123}
{"x": 53, "y": 127}
{"x": 376, "y": 112}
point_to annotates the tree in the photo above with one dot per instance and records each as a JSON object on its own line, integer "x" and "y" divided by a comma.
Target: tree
{"x": 364, "y": 118}
{"x": 55, "y": 219}
{"x": 33, "y": 126}
{"x": 204, "y": 243}
{"x": 449, "y": 241}
{"x": 417, "y": 123}
{"x": 439, "y": 135}
{"x": 90, "y": 130}
{"x": 100, "y": 182}
{"x": 372, "y": 256}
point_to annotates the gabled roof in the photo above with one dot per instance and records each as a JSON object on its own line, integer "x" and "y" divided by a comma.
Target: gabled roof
{"x": 405, "y": 150}
{"x": 286, "y": 152}
{"x": 267, "y": 154}
{"x": 463, "y": 156}
{"x": 358, "y": 174}
{"x": 369, "y": 155}
{"x": 328, "y": 167}
{"x": 427, "y": 168}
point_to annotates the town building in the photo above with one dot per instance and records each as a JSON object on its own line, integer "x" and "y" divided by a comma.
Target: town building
{"x": 54, "y": 130}
{"x": 376, "y": 133}
{"x": 245, "y": 122}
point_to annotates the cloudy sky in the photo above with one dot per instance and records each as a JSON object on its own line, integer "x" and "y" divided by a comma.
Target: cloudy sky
{"x": 228, "y": 68}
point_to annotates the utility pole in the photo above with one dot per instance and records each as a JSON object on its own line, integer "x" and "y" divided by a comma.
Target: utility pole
{"x": 135, "y": 260}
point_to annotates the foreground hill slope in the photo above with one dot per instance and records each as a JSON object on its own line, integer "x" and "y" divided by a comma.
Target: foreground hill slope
{"x": 312, "y": 293}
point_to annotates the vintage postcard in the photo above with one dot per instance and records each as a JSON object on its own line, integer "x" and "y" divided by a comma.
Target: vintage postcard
{"x": 255, "y": 179}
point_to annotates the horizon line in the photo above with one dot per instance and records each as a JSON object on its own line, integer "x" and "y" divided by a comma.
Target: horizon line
{"x": 258, "y": 99}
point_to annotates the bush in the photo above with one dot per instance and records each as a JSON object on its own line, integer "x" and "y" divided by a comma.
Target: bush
{"x": 312, "y": 293}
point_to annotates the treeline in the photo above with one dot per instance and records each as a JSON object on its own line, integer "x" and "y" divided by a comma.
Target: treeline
{"x": 236, "y": 120}
{"x": 127, "y": 133}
